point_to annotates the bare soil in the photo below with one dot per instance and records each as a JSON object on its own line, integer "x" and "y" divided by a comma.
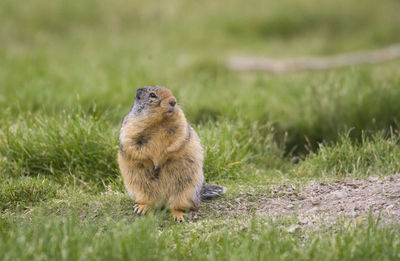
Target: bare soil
{"x": 316, "y": 202}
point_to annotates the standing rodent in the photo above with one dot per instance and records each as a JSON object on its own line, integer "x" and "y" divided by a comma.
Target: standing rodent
{"x": 160, "y": 155}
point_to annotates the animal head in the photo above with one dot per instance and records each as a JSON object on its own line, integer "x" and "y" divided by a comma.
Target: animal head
{"x": 154, "y": 100}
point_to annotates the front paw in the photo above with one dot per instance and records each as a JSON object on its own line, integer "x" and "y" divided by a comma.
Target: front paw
{"x": 156, "y": 173}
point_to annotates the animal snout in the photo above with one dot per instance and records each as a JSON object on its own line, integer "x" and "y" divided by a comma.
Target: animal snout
{"x": 172, "y": 103}
{"x": 139, "y": 93}
{"x": 140, "y": 90}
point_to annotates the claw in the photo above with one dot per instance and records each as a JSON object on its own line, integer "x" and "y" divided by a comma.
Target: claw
{"x": 156, "y": 173}
{"x": 180, "y": 220}
{"x": 178, "y": 215}
{"x": 140, "y": 209}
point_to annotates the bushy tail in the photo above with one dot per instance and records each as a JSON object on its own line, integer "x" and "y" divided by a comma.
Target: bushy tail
{"x": 209, "y": 192}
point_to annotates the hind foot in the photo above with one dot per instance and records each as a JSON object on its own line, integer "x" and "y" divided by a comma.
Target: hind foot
{"x": 178, "y": 215}
{"x": 140, "y": 209}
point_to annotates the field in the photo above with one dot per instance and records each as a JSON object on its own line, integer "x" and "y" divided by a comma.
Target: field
{"x": 68, "y": 74}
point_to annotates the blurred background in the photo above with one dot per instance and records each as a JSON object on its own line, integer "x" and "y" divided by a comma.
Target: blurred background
{"x": 59, "y": 57}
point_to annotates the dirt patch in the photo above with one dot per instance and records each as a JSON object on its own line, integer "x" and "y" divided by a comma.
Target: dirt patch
{"x": 317, "y": 202}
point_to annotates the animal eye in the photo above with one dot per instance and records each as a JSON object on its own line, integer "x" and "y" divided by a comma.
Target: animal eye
{"x": 153, "y": 95}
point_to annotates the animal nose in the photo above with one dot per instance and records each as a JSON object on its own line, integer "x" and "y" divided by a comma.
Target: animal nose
{"x": 172, "y": 103}
{"x": 139, "y": 93}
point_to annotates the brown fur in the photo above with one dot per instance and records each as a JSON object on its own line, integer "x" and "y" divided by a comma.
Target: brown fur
{"x": 161, "y": 158}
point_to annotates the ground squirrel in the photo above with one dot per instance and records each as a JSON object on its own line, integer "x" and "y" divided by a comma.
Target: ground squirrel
{"x": 160, "y": 155}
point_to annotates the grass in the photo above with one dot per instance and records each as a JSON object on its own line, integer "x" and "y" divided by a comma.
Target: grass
{"x": 72, "y": 240}
{"x": 377, "y": 155}
{"x": 68, "y": 74}
{"x": 81, "y": 146}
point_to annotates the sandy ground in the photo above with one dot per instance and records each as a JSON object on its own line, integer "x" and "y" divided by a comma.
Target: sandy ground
{"x": 316, "y": 202}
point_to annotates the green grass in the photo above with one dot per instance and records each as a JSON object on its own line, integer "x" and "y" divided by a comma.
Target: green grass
{"x": 68, "y": 74}
{"x": 78, "y": 145}
{"x": 378, "y": 155}
{"x": 148, "y": 239}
